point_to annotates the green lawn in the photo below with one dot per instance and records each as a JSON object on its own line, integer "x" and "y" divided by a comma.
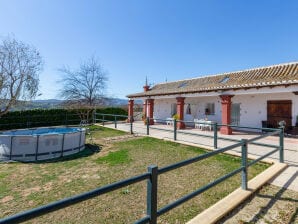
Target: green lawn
{"x": 99, "y": 132}
{"x": 27, "y": 185}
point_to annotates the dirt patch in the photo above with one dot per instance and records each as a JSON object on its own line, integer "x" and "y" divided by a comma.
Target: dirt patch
{"x": 7, "y": 199}
{"x": 269, "y": 205}
{"x": 110, "y": 140}
{"x": 48, "y": 186}
{"x": 31, "y": 190}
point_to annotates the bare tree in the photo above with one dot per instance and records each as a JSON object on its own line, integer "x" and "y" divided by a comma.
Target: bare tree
{"x": 20, "y": 65}
{"x": 84, "y": 87}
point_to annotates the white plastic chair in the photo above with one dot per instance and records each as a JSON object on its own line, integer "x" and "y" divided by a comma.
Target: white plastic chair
{"x": 197, "y": 125}
{"x": 169, "y": 121}
{"x": 202, "y": 124}
{"x": 208, "y": 125}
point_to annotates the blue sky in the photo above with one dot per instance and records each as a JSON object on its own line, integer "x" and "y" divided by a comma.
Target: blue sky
{"x": 163, "y": 40}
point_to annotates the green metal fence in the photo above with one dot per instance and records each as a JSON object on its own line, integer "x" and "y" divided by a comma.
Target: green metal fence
{"x": 151, "y": 176}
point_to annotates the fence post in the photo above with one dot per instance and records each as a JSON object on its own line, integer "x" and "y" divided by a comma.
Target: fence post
{"x": 131, "y": 131}
{"x": 94, "y": 116}
{"x": 36, "y": 150}
{"x": 115, "y": 122}
{"x": 103, "y": 120}
{"x": 10, "y": 153}
{"x": 81, "y": 139}
{"x": 215, "y": 135}
{"x": 152, "y": 194}
{"x": 244, "y": 164}
{"x": 147, "y": 123}
{"x": 175, "y": 129}
{"x": 62, "y": 148}
{"x": 281, "y": 145}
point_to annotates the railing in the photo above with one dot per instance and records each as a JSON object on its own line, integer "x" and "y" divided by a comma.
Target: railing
{"x": 153, "y": 212}
{"x": 215, "y": 126}
{"x": 116, "y": 119}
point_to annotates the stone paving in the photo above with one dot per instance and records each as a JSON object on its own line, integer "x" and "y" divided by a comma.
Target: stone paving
{"x": 287, "y": 179}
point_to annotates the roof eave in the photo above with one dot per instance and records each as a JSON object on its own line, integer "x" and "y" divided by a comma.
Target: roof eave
{"x": 147, "y": 94}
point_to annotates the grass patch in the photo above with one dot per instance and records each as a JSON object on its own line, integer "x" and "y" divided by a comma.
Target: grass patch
{"x": 34, "y": 184}
{"x": 99, "y": 132}
{"x": 115, "y": 158}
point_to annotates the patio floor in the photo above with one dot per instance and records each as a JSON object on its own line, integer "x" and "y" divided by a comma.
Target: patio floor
{"x": 287, "y": 179}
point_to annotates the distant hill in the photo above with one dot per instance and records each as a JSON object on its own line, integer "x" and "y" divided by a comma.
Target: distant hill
{"x": 48, "y": 101}
{"x": 37, "y": 104}
{"x": 55, "y": 103}
{"x": 118, "y": 102}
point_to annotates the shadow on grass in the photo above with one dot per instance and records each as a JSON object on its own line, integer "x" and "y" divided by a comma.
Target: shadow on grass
{"x": 89, "y": 150}
{"x": 278, "y": 196}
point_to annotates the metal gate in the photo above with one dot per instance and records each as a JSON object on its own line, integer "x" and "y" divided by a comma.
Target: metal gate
{"x": 235, "y": 114}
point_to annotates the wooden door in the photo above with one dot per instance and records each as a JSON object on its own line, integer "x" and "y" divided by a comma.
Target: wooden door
{"x": 279, "y": 110}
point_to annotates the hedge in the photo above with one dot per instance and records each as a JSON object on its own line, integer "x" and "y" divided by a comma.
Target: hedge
{"x": 48, "y": 117}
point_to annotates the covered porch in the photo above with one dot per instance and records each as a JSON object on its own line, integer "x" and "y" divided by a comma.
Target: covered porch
{"x": 252, "y": 108}
{"x": 188, "y": 111}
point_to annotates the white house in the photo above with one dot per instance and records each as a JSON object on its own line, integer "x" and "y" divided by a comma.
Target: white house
{"x": 244, "y": 98}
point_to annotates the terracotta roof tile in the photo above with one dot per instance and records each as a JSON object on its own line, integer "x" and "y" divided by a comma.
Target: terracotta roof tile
{"x": 285, "y": 74}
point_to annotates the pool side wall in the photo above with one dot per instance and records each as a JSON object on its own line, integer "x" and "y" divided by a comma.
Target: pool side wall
{"x": 41, "y": 147}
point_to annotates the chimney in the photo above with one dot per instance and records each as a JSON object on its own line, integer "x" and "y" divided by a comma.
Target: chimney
{"x": 146, "y": 86}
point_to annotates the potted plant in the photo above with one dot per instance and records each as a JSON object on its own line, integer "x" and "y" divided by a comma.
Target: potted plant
{"x": 176, "y": 117}
{"x": 144, "y": 119}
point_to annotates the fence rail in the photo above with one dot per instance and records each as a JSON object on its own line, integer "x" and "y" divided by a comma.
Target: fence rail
{"x": 215, "y": 126}
{"x": 152, "y": 181}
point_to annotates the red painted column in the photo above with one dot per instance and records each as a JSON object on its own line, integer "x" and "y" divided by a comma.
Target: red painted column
{"x": 180, "y": 112}
{"x": 226, "y": 104}
{"x": 130, "y": 110}
{"x": 145, "y": 109}
{"x": 150, "y": 105}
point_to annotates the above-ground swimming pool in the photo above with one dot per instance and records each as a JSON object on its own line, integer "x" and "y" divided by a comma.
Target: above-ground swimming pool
{"x": 41, "y": 143}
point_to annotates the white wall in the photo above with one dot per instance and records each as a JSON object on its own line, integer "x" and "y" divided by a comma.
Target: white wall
{"x": 253, "y": 107}
{"x": 198, "y": 106}
{"x": 162, "y": 108}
